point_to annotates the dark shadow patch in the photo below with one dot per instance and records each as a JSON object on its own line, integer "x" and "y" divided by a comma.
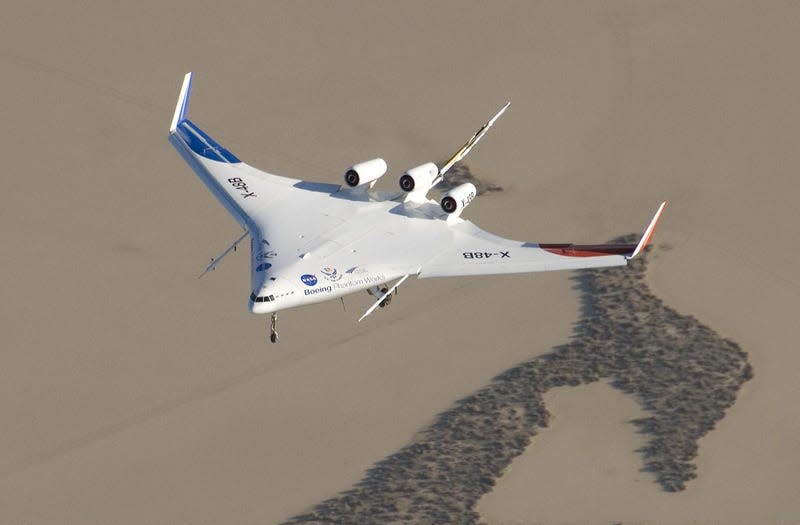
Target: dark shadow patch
{"x": 680, "y": 371}
{"x": 461, "y": 173}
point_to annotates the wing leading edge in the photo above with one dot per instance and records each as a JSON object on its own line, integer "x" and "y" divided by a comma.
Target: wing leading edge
{"x": 201, "y": 153}
{"x": 242, "y": 190}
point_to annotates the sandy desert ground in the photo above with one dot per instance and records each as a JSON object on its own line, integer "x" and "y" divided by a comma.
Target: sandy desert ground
{"x": 131, "y": 392}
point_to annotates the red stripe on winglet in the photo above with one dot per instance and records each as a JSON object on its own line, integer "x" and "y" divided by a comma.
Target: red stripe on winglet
{"x": 588, "y": 250}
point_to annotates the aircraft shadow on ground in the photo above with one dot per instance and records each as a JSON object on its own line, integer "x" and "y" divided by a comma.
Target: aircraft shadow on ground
{"x": 680, "y": 371}
{"x": 461, "y": 173}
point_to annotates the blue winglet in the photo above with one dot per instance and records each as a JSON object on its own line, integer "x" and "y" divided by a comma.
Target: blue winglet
{"x": 183, "y": 102}
{"x": 201, "y": 143}
{"x": 191, "y": 135}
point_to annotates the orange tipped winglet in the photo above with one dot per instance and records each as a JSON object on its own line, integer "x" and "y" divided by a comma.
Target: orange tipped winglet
{"x": 648, "y": 233}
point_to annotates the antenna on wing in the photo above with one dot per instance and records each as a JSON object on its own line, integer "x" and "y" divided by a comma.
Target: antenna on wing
{"x": 468, "y": 145}
{"x": 216, "y": 260}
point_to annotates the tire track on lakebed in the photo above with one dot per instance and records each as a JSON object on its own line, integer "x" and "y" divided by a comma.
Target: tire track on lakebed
{"x": 680, "y": 371}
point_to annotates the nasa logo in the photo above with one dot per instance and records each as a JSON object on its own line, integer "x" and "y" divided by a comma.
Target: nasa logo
{"x": 331, "y": 273}
{"x": 308, "y": 279}
{"x": 262, "y": 267}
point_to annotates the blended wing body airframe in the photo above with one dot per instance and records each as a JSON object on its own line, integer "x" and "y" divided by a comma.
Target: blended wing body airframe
{"x": 312, "y": 242}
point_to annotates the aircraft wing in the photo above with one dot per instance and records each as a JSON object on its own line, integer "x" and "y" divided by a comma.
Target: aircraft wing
{"x": 473, "y": 251}
{"x": 243, "y": 190}
{"x": 300, "y": 230}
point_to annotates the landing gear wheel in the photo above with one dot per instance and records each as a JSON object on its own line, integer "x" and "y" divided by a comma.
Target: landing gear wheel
{"x": 387, "y": 299}
{"x": 273, "y": 332}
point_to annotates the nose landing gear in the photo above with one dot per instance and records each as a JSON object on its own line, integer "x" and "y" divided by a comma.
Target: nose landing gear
{"x": 273, "y": 332}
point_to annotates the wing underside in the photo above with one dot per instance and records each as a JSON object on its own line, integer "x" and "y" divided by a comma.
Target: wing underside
{"x": 473, "y": 251}
{"x": 476, "y": 253}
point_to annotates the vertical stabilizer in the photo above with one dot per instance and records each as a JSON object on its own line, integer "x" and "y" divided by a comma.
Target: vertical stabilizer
{"x": 183, "y": 102}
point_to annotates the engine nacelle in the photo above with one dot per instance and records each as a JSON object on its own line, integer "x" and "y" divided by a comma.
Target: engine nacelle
{"x": 417, "y": 181}
{"x": 455, "y": 200}
{"x": 364, "y": 174}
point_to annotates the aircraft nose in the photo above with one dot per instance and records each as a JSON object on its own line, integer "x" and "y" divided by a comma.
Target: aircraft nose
{"x": 259, "y": 305}
{"x": 257, "y": 308}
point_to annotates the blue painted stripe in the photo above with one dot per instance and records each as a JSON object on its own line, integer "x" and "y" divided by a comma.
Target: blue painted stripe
{"x": 202, "y": 144}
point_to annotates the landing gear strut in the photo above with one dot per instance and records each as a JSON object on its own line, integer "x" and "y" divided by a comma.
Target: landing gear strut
{"x": 273, "y": 332}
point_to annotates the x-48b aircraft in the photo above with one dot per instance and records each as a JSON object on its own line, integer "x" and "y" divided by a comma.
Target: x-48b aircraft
{"x": 313, "y": 242}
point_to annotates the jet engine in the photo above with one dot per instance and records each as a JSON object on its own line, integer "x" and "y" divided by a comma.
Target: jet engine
{"x": 455, "y": 200}
{"x": 417, "y": 181}
{"x": 364, "y": 174}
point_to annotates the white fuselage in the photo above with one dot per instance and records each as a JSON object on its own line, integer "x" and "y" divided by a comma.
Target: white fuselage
{"x": 348, "y": 255}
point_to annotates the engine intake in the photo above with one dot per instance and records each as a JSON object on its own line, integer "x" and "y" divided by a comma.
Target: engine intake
{"x": 364, "y": 174}
{"x": 455, "y": 200}
{"x": 417, "y": 181}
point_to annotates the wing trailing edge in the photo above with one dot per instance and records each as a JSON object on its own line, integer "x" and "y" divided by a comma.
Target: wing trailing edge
{"x": 629, "y": 251}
